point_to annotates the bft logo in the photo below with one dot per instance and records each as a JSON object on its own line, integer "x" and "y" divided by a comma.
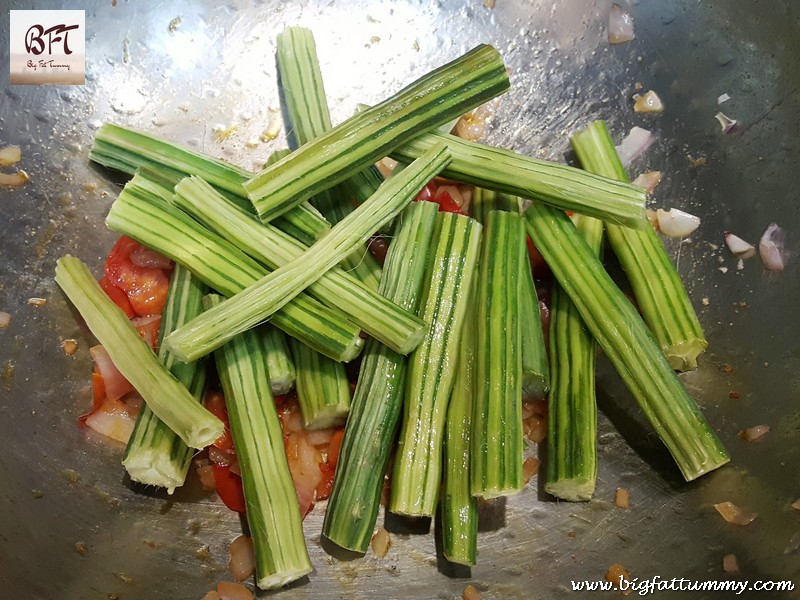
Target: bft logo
{"x": 35, "y": 38}
{"x": 47, "y": 47}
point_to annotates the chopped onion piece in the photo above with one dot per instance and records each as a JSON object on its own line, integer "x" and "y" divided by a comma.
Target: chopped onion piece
{"x": 796, "y": 504}
{"x": 652, "y": 217}
{"x": 5, "y": 320}
{"x": 794, "y": 544}
{"x": 386, "y": 166}
{"x": 274, "y": 125}
{"x": 319, "y": 437}
{"x": 113, "y": 419}
{"x": 648, "y": 103}
{"x": 738, "y": 246}
{"x": 206, "y": 475}
{"x": 242, "y": 562}
{"x": 634, "y": 145}
{"x": 733, "y": 514}
{"x": 622, "y": 498}
{"x": 616, "y": 573}
{"x": 771, "y": 248}
{"x": 233, "y": 591}
{"x": 529, "y": 468}
{"x": 219, "y": 457}
{"x": 620, "y": 26}
{"x": 534, "y": 428}
{"x": 381, "y": 542}
{"x": 676, "y": 223}
{"x": 730, "y": 564}
{"x": 470, "y": 593}
{"x": 727, "y": 124}
{"x": 115, "y": 383}
{"x": 751, "y": 434}
{"x": 723, "y": 98}
{"x": 10, "y": 155}
{"x": 13, "y": 179}
{"x": 648, "y": 180}
{"x": 69, "y": 346}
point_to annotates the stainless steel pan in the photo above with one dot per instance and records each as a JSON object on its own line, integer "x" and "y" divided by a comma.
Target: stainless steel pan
{"x": 180, "y": 69}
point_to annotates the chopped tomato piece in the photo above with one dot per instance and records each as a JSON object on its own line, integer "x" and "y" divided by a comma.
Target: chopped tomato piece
{"x": 215, "y": 403}
{"x": 335, "y": 447}
{"x": 98, "y": 396}
{"x": 117, "y": 296}
{"x": 229, "y": 487}
{"x": 145, "y": 287}
{"x": 325, "y": 484}
{"x": 427, "y": 193}
{"x": 149, "y": 328}
{"x": 446, "y": 202}
{"x": 538, "y": 266}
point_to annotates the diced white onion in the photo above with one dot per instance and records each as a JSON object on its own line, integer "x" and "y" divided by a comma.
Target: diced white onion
{"x": 319, "y": 437}
{"x": 470, "y": 593}
{"x": 733, "y": 514}
{"x": 10, "y": 155}
{"x": 648, "y": 103}
{"x": 771, "y": 248}
{"x": 242, "y": 562}
{"x": 620, "y": 25}
{"x": 676, "y": 223}
{"x": 206, "y": 475}
{"x": 381, "y": 542}
{"x": 738, "y": 246}
{"x": 648, "y": 180}
{"x": 220, "y": 457}
{"x": 114, "y": 419}
{"x": 751, "y": 434}
{"x": 634, "y": 145}
{"x": 622, "y": 498}
{"x": 730, "y": 564}
{"x": 13, "y": 179}
{"x": 723, "y": 98}
{"x": 529, "y": 468}
{"x": 726, "y": 123}
{"x": 233, "y": 591}
{"x": 115, "y": 383}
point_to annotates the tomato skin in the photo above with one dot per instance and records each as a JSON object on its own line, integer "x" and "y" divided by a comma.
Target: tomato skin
{"x": 335, "y": 447}
{"x": 117, "y": 296}
{"x": 426, "y": 193}
{"x": 539, "y": 267}
{"x": 145, "y": 287}
{"x": 98, "y": 395}
{"x": 433, "y": 193}
{"x": 229, "y": 488}
{"x": 215, "y": 403}
{"x": 325, "y": 485}
{"x": 446, "y": 203}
